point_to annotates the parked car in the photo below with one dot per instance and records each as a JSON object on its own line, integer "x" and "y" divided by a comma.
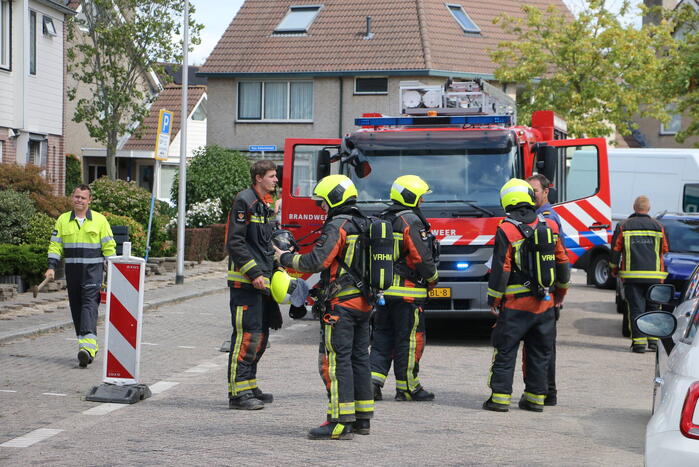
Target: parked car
{"x": 672, "y": 434}
{"x": 682, "y": 232}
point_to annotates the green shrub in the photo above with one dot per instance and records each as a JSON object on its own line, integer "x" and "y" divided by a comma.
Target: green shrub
{"x": 137, "y": 235}
{"x": 121, "y": 198}
{"x": 74, "y": 175}
{"x": 39, "y": 230}
{"x": 27, "y": 179}
{"x": 16, "y": 210}
{"x": 217, "y": 243}
{"x": 196, "y": 244}
{"x": 214, "y": 172}
{"x": 28, "y": 261}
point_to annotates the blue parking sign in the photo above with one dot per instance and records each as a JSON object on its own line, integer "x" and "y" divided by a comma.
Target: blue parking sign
{"x": 166, "y": 123}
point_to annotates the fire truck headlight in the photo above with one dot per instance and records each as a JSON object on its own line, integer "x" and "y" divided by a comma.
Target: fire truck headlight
{"x": 462, "y": 265}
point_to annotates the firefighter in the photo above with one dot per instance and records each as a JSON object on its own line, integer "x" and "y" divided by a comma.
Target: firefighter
{"x": 251, "y": 263}
{"x": 343, "y": 308}
{"x": 540, "y": 184}
{"x": 639, "y": 244}
{"x": 83, "y": 238}
{"x": 399, "y": 325}
{"x": 523, "y": 314}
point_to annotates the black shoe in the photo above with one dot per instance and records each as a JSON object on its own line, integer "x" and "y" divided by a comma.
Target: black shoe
{"x": 265, "y": 397}
{"x": 638, "y": 348}
{"x": 526, "y": 404}
{"x": 420, "y": 395}
{"x": 361, "y": 426}
{"x": 247, "y": 401}
{"x": 551, "y": 399}
{"x": 652, "y": 345}
{"x": 84, "y": 358}
{"x": 377, "y": 393}
{"x": 490, "y": 405}
{"x": 332, "y": 430}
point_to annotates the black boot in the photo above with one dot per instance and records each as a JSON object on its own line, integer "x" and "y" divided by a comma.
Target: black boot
{"x": 526, "y": 404}
{"x": 419, "y": 395}
{"x": 84, "y": 358}
{"x": 638, "y": 348}
{"x": 265, "y": 397}
{"x": 551, "y": 399}
{"x": 361, "y": 426}
{"x": 490, "y": 405}
{"x": 652, "y": 345}
{"x": 246, "y": 401}
{"x": 377, "y": 393}
{"x": 332, "y": 430}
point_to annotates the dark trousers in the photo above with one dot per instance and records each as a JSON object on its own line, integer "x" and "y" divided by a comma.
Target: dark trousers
{"x": 636, "y": 304}
{"x": 537, "y": 332}
{"x": 84, "y": 297}
{"x": 399, "y": 336}
{"x": 250, "y": 313}
{"x": 343, "y": 363}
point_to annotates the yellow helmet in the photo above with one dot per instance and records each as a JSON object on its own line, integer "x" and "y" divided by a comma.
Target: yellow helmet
{"x": 515, "y": 192}
{"x": 288, "y": 290}
{"x": 408, "y": 189}
{"x": 335, "y": 190}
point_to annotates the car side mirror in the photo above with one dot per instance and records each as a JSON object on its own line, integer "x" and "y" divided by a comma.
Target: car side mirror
{"x": 661, "y": 293}
{"x": 322, "y": 164}
{"x": 657, "y": 323}
{"x": 546, "y": 161}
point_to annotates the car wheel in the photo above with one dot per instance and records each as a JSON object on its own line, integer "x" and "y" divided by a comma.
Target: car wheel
{"x": 625, "y": 331}
{"x": 598, "y": 272}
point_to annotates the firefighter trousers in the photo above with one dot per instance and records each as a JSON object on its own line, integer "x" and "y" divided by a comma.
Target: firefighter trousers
{"x": 343, "y": 363}
{"x": 636, "y": 305}
{"x": 537, "y": 332}
{"x": 399, "y": 336}
{"x": 84, "y": 299}
{"x": 250, "y": 313}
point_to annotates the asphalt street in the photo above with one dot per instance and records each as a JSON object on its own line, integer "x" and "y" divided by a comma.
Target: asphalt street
{"x": 604, "y": 399}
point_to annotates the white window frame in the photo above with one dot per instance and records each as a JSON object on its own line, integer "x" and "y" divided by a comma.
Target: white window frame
{"x": 675, "y": 118}
{"x": 5, "y": 34}
{"x": 451, "y": 7}
{"x": 2, "y": 147}
{"x": 280, "y": 29}
{"x": 262, "y": 118}
{"x": 370, "y": 93}
{"x": 48, "y": 28}
{"x": 33, "y": 19}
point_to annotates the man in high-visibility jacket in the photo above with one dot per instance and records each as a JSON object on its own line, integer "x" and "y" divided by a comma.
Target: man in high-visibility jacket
{"x": 399, "y": 325}
{"x": 83, "y": 238}
{"x": 638, "y": 246}
{"x": 523, "y": 314}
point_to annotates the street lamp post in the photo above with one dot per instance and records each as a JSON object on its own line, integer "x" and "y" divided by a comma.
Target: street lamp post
{"x": 181, "y": 199}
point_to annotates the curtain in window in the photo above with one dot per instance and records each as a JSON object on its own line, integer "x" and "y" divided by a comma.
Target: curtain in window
{"x": 167, "y": 178}
{"x": 301, "y": 101}
{"x": 275, "y": 101}
{"x": 250, "y": 100}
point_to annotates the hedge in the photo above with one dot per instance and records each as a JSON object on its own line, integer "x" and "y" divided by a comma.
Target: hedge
{"x": 137, "y": 236}
{"x": 196, "y": 244}
{"x": 39, "y": 230}
{"x": 16, "y": 210}
{"x": 28, "y": 261}
{"x": 217, "y": 243}
{"x": 28, "y": 180}
{"x": 74, "y": 176}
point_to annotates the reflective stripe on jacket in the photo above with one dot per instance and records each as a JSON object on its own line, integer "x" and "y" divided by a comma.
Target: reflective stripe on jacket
{"x": 638, "y": 246}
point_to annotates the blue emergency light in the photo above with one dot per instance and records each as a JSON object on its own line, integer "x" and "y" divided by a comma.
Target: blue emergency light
{"x": 462, "y": 265}
{"x": 440, "y": 120}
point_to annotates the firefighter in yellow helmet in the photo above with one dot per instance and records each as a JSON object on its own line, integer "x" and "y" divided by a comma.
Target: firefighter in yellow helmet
{"x": 524, "y": 309}
{"x": 344, "y": 310}
{"x": 399, "y": 324}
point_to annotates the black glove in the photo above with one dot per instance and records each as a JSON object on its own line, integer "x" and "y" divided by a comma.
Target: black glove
{"x": 297, "y": 312}
{"x": 557, "y": 312}
{"x": 275, "y": 318}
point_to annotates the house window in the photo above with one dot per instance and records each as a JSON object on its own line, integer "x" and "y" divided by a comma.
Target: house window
{"x": 32, "y": 42}
{"x": 49, "y": 29}
{"x": 371, "y": 85}
{"x": 38, "y": 152}
{"x": 1, "y": 148}
{"x": 167, "y": 179}
{"x": 298, "y": 19}
{"x": 5, "y": 26}
{"x": 275, "y": 100}
{"x": 675, "y": 124}
{"x": 95, "y": 171}
{"x": 199, "y": 114}
{"x": 463, "y": 19}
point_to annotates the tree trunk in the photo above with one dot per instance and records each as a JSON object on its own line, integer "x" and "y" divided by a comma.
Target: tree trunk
{"x": 111, "y": 156}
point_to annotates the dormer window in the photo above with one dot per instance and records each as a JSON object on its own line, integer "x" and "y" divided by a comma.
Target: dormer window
{"x": 463, "y": 19}
{"x": 49, "y": 28}
{"x": 298, "y": 19}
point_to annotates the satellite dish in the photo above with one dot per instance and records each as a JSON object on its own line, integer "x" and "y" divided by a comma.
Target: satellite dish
{"x": 411, "y": 99}
{"x": 432, "y": 99}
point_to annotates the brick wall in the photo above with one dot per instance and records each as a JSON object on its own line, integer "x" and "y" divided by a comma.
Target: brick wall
{"x": 9, "y": 147}
{"x": 56, "y": 165}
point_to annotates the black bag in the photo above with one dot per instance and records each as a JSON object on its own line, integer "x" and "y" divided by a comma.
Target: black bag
{"x": 380, "y": 254}
{"x": 537, "y": 254}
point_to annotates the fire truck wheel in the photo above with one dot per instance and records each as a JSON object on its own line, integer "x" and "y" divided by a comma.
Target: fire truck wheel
{"x": 598, "y": 272}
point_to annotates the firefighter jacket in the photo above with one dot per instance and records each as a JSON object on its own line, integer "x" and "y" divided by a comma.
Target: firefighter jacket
{"x": 250, "y": 253}
{"x": 337, "y": 241}
{"x": 414, "y": 267}
{"x": 83, "y": 248}
{"x": 507, "y": 283}
{"x": 640, "y": 243}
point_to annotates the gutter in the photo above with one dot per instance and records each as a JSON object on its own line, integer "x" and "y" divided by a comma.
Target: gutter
{"x": 311, "y": 74}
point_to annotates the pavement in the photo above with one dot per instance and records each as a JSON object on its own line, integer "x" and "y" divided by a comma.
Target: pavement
{"x": 24, "y": 315}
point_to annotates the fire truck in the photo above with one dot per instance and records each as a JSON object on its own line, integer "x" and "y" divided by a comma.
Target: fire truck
{"x": 463, "y": 140}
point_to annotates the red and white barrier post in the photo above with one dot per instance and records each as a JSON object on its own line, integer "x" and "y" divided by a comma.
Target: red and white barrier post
{"x": 122, "y": 342}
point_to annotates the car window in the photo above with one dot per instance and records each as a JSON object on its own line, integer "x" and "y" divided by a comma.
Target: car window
{"x": 682, "y": 234}
{"x": 692, "y": 285}
{"x": 692, "y": 328}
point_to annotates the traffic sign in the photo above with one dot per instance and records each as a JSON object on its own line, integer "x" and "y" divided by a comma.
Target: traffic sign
{"x": 162, "y": 140}
{"x": 269, "y": 147}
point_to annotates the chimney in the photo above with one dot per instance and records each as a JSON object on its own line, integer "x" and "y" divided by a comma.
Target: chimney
{"x": 369, "y": 34}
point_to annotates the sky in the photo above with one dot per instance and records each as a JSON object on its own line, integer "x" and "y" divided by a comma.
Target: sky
{"x": 216, "y": 15}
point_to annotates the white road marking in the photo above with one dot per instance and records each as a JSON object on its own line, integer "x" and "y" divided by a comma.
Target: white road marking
{"x": 202, "y": 368}
{"x": 75, "y": 339}
{"x": 7, "y": 390}
{"x": 296, "y": 326}
{"x": 53, "y": 394}
{"x": 30, "y": 438}
{"x": 148, "y": 343}
{"x": 161, "y": 386}
{"x": 104, "y": 409}
{"x": 185, "y": 347}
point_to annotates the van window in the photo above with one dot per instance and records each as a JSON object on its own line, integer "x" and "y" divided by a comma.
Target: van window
{"x": 581, "y": 172}
{"x": 690, "y": 200}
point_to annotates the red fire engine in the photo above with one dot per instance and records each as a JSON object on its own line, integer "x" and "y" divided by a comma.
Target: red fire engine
{"x": 462, "y": 139}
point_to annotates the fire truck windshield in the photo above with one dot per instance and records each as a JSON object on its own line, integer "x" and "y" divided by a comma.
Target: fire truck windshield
{"x": 469, "y": 176}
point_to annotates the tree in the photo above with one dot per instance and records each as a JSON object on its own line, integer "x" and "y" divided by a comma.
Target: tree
{"x": 116, "y": 43}
{"x": 592, "y": 70}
